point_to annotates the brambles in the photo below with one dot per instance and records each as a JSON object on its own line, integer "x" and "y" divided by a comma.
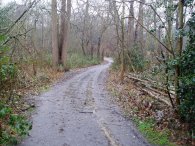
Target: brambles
{"x": 12, "y": 126}
{"x": 187, "y": 77}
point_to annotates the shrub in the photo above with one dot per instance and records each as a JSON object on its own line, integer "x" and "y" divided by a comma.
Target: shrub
{"x": 12, "y": 126}
{"x": 76, "y": 60}
{"x": 137, "y": 58}
{"x": 187, "y": 77}
{"x": 8, "y": 71}
{"x": 134, "y": 60}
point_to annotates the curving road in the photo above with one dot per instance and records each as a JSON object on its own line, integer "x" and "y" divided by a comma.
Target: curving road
{"x": 77, "y": 112}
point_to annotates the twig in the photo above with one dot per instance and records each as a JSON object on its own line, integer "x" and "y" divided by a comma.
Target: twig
{"x": 86, "y": 112}
{"x": 156, "y": 96}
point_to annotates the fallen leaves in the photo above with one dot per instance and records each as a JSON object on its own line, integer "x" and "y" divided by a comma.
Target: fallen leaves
{"x": 135, "y": 102}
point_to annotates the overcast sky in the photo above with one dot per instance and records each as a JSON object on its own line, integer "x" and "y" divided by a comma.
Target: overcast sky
{"x": 7, "y": 1}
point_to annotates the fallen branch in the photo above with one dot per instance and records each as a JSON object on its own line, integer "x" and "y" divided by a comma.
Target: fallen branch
{"x": 160, "y": 98}
{"x": 86, "y": 112}
{"x": 27, "y": 108}
{"x": 147, "y": 86}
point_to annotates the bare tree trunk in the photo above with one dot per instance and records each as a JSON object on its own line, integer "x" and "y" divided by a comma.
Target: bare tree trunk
{"x": 116, "y": 20}
{"x": 62, "y": 28}
{"x": 159, "y": 37}
{"x": 131, "y": 25}
{"x": 102, "y": 54}
{"x": 181, "y": 25}
{"x": 55, "y": 54}
{"x": 115, "y": 15}
{"x": 83, "y": 44}
{"x": 92, "y": 48}
{"x": 139, "y": 29}
{"x": 179, "y": 47}
{"x": 169, "y": 24}
{"x": 141, "y": 15}
{"x": 98, "y": 47}
{"x": 136, "y": 34}
{"x": 123, "y": 43}
{"x": 66, "y": 32}
{"x": 34, "y": 44}
{"x": 85, "y": 38}
{"x": 131, "y": 30}
{"x": 156, "y": 30}
{"x": 42, "y": 33}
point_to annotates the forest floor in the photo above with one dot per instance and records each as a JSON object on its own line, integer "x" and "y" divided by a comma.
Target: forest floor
{"x": 153, "y": 115}
{"x": 78, "y": 111}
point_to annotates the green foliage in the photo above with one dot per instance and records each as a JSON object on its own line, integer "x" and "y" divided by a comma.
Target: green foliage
{"x": 186, "y": 64}
{"x": 76, "y": 60}
{"x": 134, "y": 58}
{"x": 116, "y": 63}
{"x": 8, "y": 70}
{"x": 187, "y": 76}
{"x": 12, "y": 126}
{"x": 160, "y": 138}
{"x": 137, "y": 58}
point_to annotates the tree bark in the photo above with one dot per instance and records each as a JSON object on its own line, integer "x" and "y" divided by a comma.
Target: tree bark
{"x": 62, "y": 29}
{"x": 123, "y": 43}
{"x": 139, "y": 29}
{"x": 55, "y": 53}
{"x": 155, "y": 29}
{"x": 141, "y": 15}
{"x": 85, "y": 38}
{"x": 131, "y": 25}
{"x": 169, "y": 25}
{"x": 66, "y": 32}
{"x": 98, "y": 47}
{"x": 179, "y": 47}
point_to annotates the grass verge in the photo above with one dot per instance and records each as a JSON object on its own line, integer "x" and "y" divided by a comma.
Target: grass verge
{"x": 147, "y": 128}
{"x": 76, "y": 60}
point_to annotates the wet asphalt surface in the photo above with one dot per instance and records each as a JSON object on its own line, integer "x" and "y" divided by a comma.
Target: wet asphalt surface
{"x": 78, "y": 112}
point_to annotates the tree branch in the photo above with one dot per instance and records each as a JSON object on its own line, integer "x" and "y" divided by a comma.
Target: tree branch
{"x": 18, "y": 19}
{"x": 152, "y": 35}
{"x": 171, "y": 51}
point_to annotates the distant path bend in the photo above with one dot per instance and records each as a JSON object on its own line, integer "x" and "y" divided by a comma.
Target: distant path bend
{"x": 78, "y": 112}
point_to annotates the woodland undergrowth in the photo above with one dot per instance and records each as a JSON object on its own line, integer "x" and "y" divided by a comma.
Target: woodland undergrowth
{"x": 155, "y": 119}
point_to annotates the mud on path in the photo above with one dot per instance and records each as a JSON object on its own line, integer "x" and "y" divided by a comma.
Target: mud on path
{"x": 78, "y": 112}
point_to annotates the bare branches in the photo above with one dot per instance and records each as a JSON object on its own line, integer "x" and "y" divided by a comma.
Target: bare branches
{"x": 164, "y": 25}
{"x": 15, "y": 36}
{"x": 152, "y": 35}
{"x": 20, "y": 17}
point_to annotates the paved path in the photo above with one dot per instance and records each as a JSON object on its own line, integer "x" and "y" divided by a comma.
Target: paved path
{"x": 77, "y": 112}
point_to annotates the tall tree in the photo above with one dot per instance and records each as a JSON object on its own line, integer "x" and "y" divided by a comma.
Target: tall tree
{"x": 66, "y": 32}
{"x": 139, "y": 29}
{"x": 169, "y": 13}
{"x": 131, "y": 25}
{"x": 85, "y": 39}
{"x": 55, "y": 52}
{"x": 179, "y": 45}
{"x": 123, "y": 42}
{"x": 62, "y": 28}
